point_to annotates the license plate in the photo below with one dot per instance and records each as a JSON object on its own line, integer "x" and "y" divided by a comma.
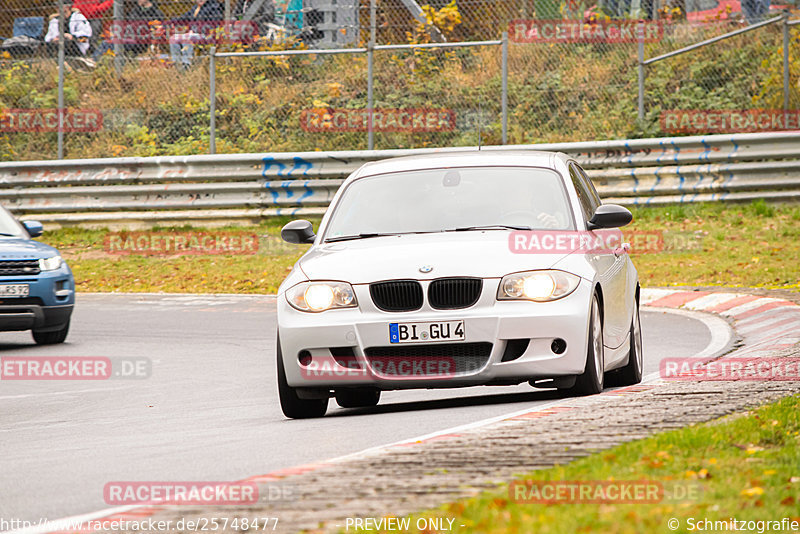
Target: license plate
{"x": 426, "y": 332}
{"x": 14, "y": 290}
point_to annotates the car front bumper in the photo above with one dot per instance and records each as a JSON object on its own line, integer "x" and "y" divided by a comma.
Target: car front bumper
{"x": 354, "y": 330}
{"x": 48, "y": 305}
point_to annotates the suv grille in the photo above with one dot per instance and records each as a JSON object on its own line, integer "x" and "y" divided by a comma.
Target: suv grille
{"x": 19, "y": 267}
{"x": 454, "y": 293}
{"x": 397, "y": 295}
{"x": 435, "y": 359}
{"x": 21, "y": 301}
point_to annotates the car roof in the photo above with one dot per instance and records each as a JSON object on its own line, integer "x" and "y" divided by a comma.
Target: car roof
{"x": 465, "y": 158}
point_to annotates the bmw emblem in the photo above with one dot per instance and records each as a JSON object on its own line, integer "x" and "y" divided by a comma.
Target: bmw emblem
{"x": 426, "y": 268}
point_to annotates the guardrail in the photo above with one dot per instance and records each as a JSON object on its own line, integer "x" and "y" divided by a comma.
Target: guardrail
{"x": 238, "y": 187}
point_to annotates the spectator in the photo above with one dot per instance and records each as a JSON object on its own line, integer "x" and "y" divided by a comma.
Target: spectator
{"x": 94, "y": 10}
{"x": 77, "y": 32}
{"x": 263, "y": 15}
{"x": 755, "y": 10}
{"x": 144, "y": 11}
{"x": 181, "y": 45}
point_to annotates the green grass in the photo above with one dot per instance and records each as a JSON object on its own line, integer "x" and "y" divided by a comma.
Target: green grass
{"x": 756, "y": 245}
{"x": 743, "y": 467}
{"x": 97, "y": 270}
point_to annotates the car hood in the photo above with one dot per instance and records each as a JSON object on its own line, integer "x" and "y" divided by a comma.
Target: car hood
{"x": 484, "y": 254}
{"x": 17, "y": 248}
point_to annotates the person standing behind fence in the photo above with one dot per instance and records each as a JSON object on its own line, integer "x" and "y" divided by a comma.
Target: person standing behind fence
{"x": 94, "y": 10}
{"x": 77, "y": 32}
{"x": 181, "y": 45}
{"x": 262, "y": 13}
{"x": 755, "y": 10}
{"x": 143, "y": 12}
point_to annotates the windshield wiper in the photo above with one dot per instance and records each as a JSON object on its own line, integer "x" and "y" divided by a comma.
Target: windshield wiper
{"x": 367, "y": 235}
{"x": 357, "y": 236}
{"x": 9, "y": 235}
{"x": 490, "y": 227}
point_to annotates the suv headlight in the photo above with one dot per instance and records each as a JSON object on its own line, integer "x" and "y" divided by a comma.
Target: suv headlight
{"x": 539, "y": 286}
{"x": 50, "y": 264}
{"x": 321, "y": 296}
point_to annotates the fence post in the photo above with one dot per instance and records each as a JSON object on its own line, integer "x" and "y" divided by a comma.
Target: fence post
{"x": 119, "y": 17}
{"x": 370, "y": 77}
{"x": 505, "y": 87}
{"x": 641, "y": 77}
{"x": 786, "y": 61}
{"x": 212, "y": 100}
{"x": 60, "y": 5}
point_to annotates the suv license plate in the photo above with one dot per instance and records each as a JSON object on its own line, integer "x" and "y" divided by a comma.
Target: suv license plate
{"x": 14, "y": 290}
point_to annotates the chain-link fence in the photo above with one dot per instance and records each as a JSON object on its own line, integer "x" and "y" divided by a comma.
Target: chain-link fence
{"x": 139, "y": 86}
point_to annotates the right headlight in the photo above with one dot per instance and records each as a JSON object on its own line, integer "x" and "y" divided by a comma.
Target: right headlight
{"x": 50, "y": 264}
{"x": 321, "y": 296}
{"x": 539, "y": 286}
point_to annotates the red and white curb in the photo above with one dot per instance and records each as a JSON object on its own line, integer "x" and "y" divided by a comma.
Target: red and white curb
{"x": 764, "y": 325}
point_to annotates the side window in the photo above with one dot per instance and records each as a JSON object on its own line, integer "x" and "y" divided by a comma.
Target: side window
{"x": 584, "y": 197}
{"x": 590, "y": 186}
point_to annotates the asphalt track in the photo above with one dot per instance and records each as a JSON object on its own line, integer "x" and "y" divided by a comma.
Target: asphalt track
{"x": 209, "y": 410}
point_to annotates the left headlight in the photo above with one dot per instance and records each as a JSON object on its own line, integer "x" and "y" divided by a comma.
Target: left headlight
{"x": 321, "y": 296}
{"x": 50, "y": 264}
{"x": 539, "y": 286}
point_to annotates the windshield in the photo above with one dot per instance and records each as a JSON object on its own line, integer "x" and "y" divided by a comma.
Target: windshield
{"x": 9, "y": 226}
{"x": 452, "y": 199}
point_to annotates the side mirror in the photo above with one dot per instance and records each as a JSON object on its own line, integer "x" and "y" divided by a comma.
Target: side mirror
{"x": 34, "y": 228}
{"x": 610, "y": 216}
{"x": 298, "y": 232}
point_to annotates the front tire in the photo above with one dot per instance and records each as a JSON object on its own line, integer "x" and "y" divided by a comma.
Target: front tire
{"x": 358, "y": 398}
{"x": 293, "y": 406}
{"x": 53, "y": 337}
{"x": 591, "y": 381}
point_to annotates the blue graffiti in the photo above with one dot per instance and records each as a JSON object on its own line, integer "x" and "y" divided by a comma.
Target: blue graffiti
{"x": 307, "y": 192}
{"x": 268, "y": 162}
{"x": 300, "y": 163}
{"x": 300, "y": 167}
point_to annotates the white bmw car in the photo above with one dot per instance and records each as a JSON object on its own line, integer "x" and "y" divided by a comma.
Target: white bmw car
{"x": 458, "y": 269}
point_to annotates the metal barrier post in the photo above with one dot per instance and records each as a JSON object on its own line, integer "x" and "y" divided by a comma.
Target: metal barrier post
{"x": 370, "y": 74}
{"x": 119, "y": 17}
{"x": 786, "y": 62}
{"x": 505, "y": 87}
{"x": 60, "y": 79}
{"x": 212, "y": 101}
{"x": 641, "y": 77}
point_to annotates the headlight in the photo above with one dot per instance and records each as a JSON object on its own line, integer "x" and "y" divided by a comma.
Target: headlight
{"x": 321, "y": 296}
{"x": 50, "y": 264}
{"x": 540, "y": 286}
